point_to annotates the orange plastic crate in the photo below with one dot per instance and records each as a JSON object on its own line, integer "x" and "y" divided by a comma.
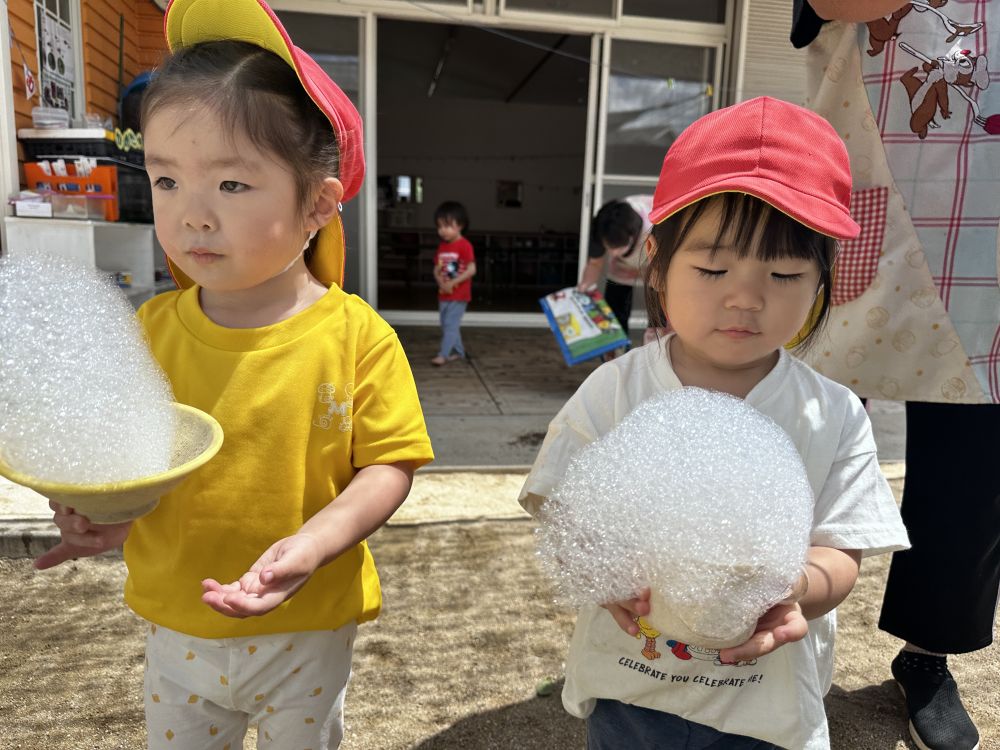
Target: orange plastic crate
{"x": 100, "y": 181}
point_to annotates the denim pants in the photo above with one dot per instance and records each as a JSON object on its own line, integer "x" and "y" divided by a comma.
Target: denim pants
{"x": 451, "y": 312}
{"x": 615, "y": 725}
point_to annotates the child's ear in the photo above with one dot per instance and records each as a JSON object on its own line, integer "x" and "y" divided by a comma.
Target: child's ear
{"x": 325, "y": 204}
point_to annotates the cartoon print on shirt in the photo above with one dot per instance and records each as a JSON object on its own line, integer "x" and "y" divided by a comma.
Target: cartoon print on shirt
{"x": 326, "y": 394}
{"x": 448, "y": 264}
{"x": 686, "y": 652}
{"x": 682, "y": 651}
{"x": 650, "y": 633}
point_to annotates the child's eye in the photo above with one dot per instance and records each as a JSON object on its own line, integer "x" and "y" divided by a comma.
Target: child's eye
{"x": 165, "y": 183}
{"x": 787, "y": 276}
{"x": 708, "y": 272}
{"x": 232, "y": 186}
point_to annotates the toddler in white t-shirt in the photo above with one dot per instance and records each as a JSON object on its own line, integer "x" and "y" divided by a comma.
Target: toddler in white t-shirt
{"x": 740, "y": 265}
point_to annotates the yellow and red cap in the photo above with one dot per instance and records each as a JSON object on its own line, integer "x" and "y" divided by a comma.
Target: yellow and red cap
{"x": 189, "y": 22}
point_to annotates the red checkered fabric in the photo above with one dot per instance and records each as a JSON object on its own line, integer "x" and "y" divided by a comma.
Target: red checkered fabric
{"x": 858, "y": 259}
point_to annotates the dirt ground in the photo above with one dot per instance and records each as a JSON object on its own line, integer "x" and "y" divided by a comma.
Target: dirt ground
{"x": 467, "y": 633}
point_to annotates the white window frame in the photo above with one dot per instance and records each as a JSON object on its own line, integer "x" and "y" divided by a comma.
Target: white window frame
{"x": 491, "y": 13}
{"x": 9, "y": 182}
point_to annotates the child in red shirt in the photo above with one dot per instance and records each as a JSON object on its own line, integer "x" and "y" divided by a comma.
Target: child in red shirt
{"x": 454, "y": 267}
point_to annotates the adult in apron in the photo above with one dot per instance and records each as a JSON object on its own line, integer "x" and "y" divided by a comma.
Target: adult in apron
{"x": 915, "y": 94}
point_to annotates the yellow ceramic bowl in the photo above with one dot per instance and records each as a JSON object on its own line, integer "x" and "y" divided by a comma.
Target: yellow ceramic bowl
{"x": 197, "y": 439}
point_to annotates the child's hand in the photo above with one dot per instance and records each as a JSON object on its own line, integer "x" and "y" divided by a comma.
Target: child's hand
{"x": 281, "y": 571}
{"x": 783, "y": 623}
{"x": 80, "y": 537}
{"x": 446, "y": 287}
{"x": 627, "y": 610}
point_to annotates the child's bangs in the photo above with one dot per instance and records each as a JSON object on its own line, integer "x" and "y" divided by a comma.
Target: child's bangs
{"x": 750, "y": 225}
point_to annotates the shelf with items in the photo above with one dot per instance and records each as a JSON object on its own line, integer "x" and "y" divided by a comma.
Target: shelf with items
{"x": 126, "y": 250}
{"x": 526, "y": 261}
{"x": 121, "y": 152}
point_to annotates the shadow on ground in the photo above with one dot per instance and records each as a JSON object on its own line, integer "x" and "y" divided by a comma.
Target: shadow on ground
{"x": 534, "y": 723}
{"x": 871, "y": 716}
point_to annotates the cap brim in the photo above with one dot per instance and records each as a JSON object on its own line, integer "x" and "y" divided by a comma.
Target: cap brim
{"x": 326, "y": 262}
{"x": 816, "y": 213}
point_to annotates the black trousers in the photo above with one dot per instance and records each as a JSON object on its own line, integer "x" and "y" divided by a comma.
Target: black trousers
{"x": 619, "y": 298}
{"x": 942, "y": 594}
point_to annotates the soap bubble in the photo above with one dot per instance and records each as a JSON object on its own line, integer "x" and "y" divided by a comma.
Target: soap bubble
{"x": 696, "y": 495}
{"x": 82, "y": 400}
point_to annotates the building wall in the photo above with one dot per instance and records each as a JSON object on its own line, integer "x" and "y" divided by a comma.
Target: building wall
{"x": 144, "y": 46}
{"x": 771, "y": 65}
{"x": 22, "y": 22}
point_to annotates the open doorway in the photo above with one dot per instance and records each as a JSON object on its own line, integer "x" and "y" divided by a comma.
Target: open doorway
{"x": 496, "y": 120}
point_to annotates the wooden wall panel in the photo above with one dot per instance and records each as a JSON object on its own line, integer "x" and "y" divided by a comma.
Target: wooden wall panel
{"x": 150, "y": 41}
{"x": 22, "y": 23}
{"x": 143, "y": 48}
{"x": 100, "y": 51}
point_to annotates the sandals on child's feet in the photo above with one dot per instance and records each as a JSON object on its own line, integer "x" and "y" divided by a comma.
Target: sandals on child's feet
{"x": 438, "y": 361}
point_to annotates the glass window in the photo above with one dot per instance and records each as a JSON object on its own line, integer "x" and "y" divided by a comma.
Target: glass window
{"x": 655, "y": 91}
{"x": 706, "y": 11}
{"x": 619, "y": 192}
{"x": 602, "y": 8}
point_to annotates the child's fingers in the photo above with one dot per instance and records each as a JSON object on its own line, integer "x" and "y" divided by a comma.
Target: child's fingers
{"x": 794, "y": 629}
{"x": 252, "y": 606}
{"x": 759, "y": 644}
{"x": 211, "y": 585}
{"x": 56, "y": 556}
{"x": 622, "y": 617}
{"x": 216, "y": 601}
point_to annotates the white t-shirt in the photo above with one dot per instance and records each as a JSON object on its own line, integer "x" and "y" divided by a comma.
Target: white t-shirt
{"x": 779, "y": 697}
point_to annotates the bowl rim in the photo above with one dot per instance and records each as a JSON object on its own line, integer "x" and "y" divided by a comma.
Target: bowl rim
{"x": 42, "y": 487}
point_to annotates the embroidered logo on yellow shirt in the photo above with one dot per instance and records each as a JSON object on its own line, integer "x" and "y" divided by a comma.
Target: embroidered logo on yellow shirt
{"x": 335, "y": 407}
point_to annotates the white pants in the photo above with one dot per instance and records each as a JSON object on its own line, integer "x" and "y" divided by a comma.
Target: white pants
{"x": 201, "y": 694}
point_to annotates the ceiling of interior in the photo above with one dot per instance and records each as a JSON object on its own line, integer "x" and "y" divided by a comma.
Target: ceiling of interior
{"x": 495, "y": 64}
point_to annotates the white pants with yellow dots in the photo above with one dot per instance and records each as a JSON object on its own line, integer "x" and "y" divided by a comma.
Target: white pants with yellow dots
{"x": 201, "y": 694}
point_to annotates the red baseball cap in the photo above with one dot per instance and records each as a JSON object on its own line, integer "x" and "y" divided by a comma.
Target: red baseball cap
{"x": 784, "y": 154}
{"x": 188, "y": 22}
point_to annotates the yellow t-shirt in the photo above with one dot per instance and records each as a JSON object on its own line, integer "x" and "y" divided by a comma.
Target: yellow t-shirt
{"x": 304, "y": 404}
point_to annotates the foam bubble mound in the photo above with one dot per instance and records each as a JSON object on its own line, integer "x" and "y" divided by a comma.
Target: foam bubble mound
{"x": 696, "y": 495}
{"x": 82, "y": 401}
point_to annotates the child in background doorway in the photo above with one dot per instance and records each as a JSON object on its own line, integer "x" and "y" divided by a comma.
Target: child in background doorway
{"x": 254, "y": 573}
{"x": 740, "y": 262}
{"x": 454, "y": 267}
{"x": 617, "y": 235}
